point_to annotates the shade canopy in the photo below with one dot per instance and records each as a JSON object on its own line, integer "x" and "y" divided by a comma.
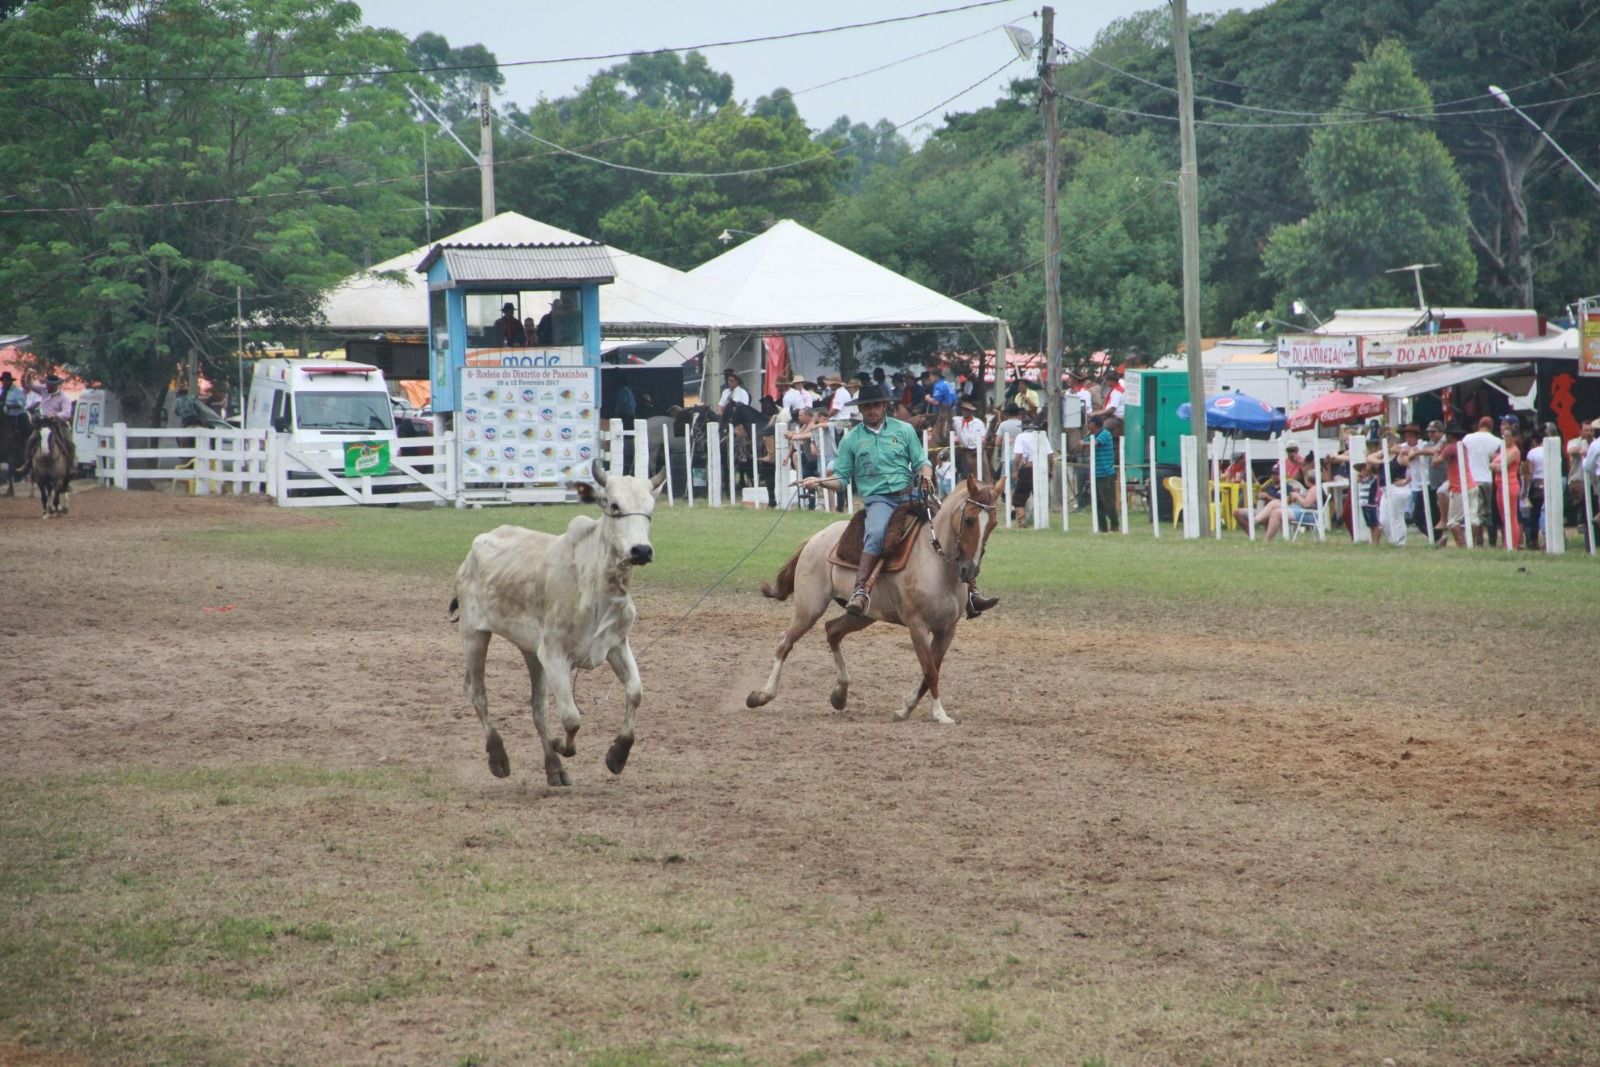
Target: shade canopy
{"x": 1240, "y": 415}
{"x": 1335, "y": 409}
{"x": 791, "y": 279}
{"x": 390, "y": 297}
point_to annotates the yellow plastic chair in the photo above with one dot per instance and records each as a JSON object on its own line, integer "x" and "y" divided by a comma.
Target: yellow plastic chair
{"x": 1173, "y": 484}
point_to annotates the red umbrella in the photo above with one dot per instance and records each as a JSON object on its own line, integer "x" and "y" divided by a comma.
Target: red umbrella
{"x": 1335, "y": 409}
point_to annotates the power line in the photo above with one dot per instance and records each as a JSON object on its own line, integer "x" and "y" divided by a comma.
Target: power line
{"x": 558, "y": 149}
{"x": 597, "y": 57}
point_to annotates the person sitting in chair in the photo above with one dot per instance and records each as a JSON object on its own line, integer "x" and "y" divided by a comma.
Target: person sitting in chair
{"x": 880, "y": 456}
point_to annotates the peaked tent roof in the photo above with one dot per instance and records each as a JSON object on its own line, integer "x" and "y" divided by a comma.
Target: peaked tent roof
{"x": 790, "y": 278}
{"x": 364, "y": 303}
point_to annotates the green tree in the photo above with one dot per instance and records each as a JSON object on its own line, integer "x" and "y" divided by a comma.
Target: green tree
{"x": 456, "y": 74}
{"x": 1386, "y": 194}
{"x": 158, "y": 164}
{"x": 623, "y": 160}
{"x": 871, "y": 148}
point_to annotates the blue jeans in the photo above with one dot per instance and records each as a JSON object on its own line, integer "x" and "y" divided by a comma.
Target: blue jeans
{"x": 879, "y": 510}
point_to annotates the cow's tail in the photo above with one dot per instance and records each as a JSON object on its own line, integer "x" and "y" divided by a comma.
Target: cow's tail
{"x": 783, "y": 586}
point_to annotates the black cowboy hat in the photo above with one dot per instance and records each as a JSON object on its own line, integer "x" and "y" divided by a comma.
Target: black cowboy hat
{"x": 1455, "y": 429}
{"x": 508, "y": 307}
{"x": 873, "y": 393}
{"x": 5, "y": 375}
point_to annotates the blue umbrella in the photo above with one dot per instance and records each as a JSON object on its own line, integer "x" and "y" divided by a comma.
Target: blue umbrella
{"x": 1238, "y": 414}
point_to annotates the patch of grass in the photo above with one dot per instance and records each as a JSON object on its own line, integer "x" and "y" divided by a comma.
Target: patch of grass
{"x": 695, "y": 547}
{"x": 980, "y": 1024}
{"x": 1445, "y": 1012}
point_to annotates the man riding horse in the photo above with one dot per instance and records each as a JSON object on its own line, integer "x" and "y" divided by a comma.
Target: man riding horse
{"x": 879, "y": 456}
{"x": 53, "y": 404}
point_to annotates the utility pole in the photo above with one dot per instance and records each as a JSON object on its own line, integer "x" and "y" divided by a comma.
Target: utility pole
{"x": 1052, "y": 236}
{"x": 486, "y": 150}
{"x": 1189, "y": 209}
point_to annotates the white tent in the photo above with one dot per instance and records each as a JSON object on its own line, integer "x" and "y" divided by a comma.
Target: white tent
{"x": 364, "y": 303}
{"x": 791, "y": 279}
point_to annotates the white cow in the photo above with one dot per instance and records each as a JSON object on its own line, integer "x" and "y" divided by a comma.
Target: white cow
{"x": 564, "y": 602}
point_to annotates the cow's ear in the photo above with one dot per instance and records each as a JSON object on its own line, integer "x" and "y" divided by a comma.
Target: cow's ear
{"x": 587, "y": 492}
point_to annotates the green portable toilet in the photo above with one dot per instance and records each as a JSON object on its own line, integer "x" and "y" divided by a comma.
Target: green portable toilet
{"x": 1153, "y": 397}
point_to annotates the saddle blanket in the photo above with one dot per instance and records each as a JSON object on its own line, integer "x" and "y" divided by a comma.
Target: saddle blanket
{"x": 897, "y": 541}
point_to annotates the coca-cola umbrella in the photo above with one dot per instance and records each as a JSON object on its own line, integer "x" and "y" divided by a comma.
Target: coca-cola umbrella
{"x": 1335, "y": 409}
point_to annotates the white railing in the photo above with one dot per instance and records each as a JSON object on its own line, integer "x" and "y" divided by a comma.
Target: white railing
{"x": 422, "y": 470}
{"x": 206, "y": 461}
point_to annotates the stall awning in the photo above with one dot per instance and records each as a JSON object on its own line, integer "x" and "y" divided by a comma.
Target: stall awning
{"x": 1432, "y": 379}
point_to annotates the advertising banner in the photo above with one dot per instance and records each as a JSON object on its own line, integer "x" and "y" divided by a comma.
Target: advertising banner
{"x": 1589, "y": 353}
{"x": 1410, "y": 353}
{"x": 366, "y": 457}
{"x": 1316, "y": 352}
{"x": 528, "y": 425}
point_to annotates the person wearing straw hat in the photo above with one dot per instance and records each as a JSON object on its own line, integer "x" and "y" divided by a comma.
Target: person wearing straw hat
{"x": 797, "y": 395}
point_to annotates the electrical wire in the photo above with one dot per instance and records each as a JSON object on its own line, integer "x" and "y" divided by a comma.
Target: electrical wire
{"x": 597, "y": 57}
{"x": 558, "y": 149}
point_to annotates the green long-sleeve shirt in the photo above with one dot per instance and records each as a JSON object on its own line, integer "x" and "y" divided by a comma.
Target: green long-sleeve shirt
{"x": 882, "y": 463}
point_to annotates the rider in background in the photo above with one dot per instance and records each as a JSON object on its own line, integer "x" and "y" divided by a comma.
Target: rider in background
{"x": 880, "y": 456}
{"x": 53, "y": 404}
{"x": 14, "y": 404}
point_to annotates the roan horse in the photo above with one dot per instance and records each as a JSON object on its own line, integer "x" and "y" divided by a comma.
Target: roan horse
{"x": 51, "y": 464}
{"x": 928, "y": 597}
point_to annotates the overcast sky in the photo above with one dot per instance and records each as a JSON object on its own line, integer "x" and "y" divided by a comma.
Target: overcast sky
{"x": 902, "y": 92}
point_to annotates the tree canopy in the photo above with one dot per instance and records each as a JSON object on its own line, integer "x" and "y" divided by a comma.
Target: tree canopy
{"x": 1386, "y": 195}
{"x": 168, "y": 154}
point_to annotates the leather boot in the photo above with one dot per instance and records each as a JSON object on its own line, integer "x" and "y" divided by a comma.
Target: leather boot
{"x": 977, "y": 603}
{"x": 861, "y": 599}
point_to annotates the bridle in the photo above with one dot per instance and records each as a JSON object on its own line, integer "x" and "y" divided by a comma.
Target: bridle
{"x": 931, "y": 504}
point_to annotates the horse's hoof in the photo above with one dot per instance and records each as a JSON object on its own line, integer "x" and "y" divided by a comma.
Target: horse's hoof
{"x": 558, "y": 778}
{"x": 499, "y": 762}
{"x": 617, "y": 754}
{"x": 839, "y": 697}
{"x": 756, "y": 699}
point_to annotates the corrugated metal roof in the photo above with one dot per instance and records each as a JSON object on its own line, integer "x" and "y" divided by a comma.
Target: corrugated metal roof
{"x": 519, "y": 264}
{"x": 1432, "y": 379}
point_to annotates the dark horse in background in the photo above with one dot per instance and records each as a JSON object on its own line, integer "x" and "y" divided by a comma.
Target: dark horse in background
{"x": 13, "y": 448}
{"x": 52, "y": 459}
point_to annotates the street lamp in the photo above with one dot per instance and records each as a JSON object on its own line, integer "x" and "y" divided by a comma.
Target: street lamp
{"x": 726, "y": 236}
{"x": 1500, "y": 95}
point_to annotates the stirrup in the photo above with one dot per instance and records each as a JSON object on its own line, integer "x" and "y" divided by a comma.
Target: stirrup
{"x": 860, "y": 601}
{"x": 977, "y": 603}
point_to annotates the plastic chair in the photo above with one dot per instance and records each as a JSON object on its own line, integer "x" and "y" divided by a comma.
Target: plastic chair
{"x": 1309, "y": 519}
{"x": 1173, "y": 484}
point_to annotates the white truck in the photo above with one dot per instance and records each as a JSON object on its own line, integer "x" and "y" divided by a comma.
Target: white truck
{"x": 320, "y": 402}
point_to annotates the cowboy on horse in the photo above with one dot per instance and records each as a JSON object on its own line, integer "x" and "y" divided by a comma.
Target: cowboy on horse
{"x": 53, "y": 404}
{"x": 879, "y": 456}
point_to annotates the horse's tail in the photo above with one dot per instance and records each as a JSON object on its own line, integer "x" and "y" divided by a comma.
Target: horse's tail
{"x": 784, "y": 583}
{"x": 453, "y": 614}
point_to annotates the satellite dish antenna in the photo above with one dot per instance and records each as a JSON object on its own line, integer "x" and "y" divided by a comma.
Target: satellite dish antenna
{"x": 1022, "y": 40}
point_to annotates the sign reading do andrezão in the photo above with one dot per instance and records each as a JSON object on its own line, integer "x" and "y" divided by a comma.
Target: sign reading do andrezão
{"x": 1316, "y": 352}
{"x": 1409, "y": 353}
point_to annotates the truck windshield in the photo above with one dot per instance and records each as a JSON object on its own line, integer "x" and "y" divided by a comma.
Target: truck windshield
{"x": 351, "y": 412}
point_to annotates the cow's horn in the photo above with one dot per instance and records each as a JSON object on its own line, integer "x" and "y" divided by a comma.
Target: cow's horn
{"x": 598, "y": 471}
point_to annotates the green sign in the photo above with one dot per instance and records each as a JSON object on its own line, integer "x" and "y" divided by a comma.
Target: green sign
{"x": 366, "y": 457}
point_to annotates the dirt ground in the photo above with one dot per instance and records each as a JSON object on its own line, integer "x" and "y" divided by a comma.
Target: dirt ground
{"x": 1143, "y": 824}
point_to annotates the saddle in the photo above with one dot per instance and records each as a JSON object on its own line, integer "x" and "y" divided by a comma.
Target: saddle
{"x": 898, "y": 540}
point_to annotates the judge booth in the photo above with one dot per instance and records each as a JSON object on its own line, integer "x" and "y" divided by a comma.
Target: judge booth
{"x": 514, "y": 362}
